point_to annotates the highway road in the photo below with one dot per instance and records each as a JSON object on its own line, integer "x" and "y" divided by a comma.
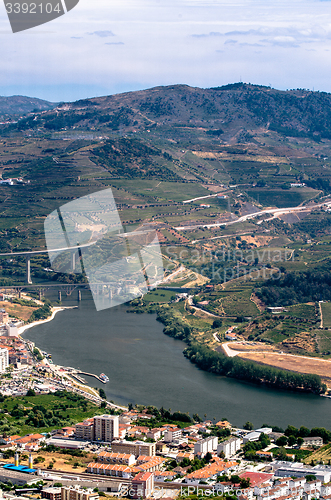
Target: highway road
{"x": 243, "y": 218}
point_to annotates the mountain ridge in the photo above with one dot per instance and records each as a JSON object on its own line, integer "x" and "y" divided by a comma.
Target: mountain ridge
{"x": 229, "y": 109}
{"x": 18, "y": 104}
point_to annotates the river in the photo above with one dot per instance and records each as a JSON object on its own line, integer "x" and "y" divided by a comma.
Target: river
{"x": 145, "y": 366}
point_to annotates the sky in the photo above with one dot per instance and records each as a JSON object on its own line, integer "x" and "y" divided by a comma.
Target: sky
{"x": 104, "y": 47}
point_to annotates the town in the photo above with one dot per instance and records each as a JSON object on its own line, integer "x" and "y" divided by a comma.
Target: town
{"x": 131, "y": 458}
{"x": 136, "y": 452}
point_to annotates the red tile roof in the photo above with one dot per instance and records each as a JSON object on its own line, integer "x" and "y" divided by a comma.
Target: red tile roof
{"x": 256, "y": 478}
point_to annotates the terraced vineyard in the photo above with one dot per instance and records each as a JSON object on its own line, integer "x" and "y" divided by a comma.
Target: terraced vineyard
{"x": 177, "y": 163}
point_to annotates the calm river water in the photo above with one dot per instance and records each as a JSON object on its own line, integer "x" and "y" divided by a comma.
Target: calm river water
{"x": 145, "y": 366}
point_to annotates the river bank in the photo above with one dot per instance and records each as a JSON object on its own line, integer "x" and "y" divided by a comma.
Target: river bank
{"x": 147, "y": 367}
{"x": 55, "y": 310}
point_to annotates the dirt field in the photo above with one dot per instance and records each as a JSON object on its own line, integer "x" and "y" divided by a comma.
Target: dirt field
{"x": 323, "y": 455}
{"x": 298, "y": 364}
{"x": 250, "y": 347}
{"x": 60, "y": 461}
{"x": 17, "y": 311}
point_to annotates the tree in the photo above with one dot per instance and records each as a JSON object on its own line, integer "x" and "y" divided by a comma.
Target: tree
{"x": 304, "y": 431}
{"x": 300, "y": 441}
{"x": 281, "y": 441}
{"x": 291, "y": 431}
{"x": 264, "y": 440}
{"x": 245, "y": 482}
{"x": 196, "y": 418}
{"x": 310, "y": 477}
{"x": 217, "y": 323}
{"x": 281, "y": 454}
{"x": 31, "y": 392}
{"x": 292, "y": 440}
{"x": 102, "y": 393}
{"x": 248, "y": 426}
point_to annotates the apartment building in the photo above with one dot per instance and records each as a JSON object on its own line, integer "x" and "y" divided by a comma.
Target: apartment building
{"x": 77, "y": 493}
{"x": 142, "y": 485}
{"x": 51, "y": 493}
{"x": 206, "y": 445}
{"x": 4, "y": 359}
{"x": 106, "y": 428}
{"x": 172, "y": 434}
{"x": 229, "y": 447}
{"x": 85, "y": 430}
{"x": 135, "y": 448}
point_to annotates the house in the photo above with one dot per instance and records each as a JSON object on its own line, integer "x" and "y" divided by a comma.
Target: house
{"x": 223, "y": 424}
{"x": 116, "y": 458}
{"x": 109, "y": 470}
{"x": 298, "y": 482}
{"x": 30, "y": 439}
{"x": 276, "y": 310}
{"x": 149, "y": 466}
{"x": 313, "y": 486}
{"x": 264, "y": 454}
{"x": 161, "y": 476}
{"x": 154, "y": 434}
{"x": 162, "y": 447}
{"x": 312, "y": 441}
{"x": 325, "y": 489}
{"x": 180, "y": 457}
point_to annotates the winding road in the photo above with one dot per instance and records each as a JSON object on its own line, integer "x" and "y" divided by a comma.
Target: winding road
{"x": 243, "y": 218}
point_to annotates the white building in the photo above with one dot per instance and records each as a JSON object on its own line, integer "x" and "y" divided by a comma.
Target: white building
{"x": 229, "y": 447}
{"x": 312, "y": 441}
{"x": 4, "y": 359}
{"x": 106, "y": 428}
{"x": 322, "y": 473}
{"x": 12, "y": 330}
{"x": 206, "y": 445}
{"x": 172, "y": 434}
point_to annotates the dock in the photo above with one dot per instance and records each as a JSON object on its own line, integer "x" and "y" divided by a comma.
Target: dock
{"x": 91, "y": 375}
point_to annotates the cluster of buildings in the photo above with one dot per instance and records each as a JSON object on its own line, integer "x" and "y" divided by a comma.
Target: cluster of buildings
{"x": 13, "y": 181}
{"x": 29, "y": 443}
{"x": 14, "y": 352}
{"x": 139, "y": 467}
{"x": 8, "y": 326}
{"x": 69, "y": 493}
{"x": 12, "y": 349}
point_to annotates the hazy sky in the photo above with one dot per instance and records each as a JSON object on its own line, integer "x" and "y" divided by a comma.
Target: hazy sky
{"x": 109, "y": 46}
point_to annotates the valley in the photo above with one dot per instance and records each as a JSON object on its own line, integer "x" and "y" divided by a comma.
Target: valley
{"x": 235, "y": 180}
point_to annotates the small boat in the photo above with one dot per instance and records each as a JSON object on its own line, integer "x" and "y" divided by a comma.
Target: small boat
{"x": 103, "y": 378}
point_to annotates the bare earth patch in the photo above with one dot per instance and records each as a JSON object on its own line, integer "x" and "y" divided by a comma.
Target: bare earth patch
{"x": 17, "y": 311}
{"x": 251, "y": 347}
{"x": 299, "y": 364}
